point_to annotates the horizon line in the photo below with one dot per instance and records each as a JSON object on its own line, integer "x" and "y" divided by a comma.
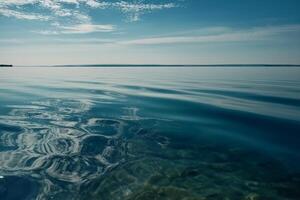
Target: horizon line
{"x": 162, "y": 65}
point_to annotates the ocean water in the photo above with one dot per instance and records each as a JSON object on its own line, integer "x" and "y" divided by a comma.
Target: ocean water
{"x": 150, "y": 133}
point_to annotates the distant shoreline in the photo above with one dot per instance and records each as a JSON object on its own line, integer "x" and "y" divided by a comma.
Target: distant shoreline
{"x": 160, "y": 65}
{"x": 3, "y": 65}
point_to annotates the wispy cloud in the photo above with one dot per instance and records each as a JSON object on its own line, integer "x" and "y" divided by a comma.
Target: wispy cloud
{"x": 87, "y": 28}
{"x": 73, "y": 20}
{"x": 134, "y": 10}
{"x": 76, "y": 28}
{"x": 229, "y": 35}
{"x": 21, "y": 15}
{"x": 73, "y": 14}
{"x": 204, "y": 35}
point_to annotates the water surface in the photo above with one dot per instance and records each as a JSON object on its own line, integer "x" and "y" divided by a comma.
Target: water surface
{"x": 150, "y": 133}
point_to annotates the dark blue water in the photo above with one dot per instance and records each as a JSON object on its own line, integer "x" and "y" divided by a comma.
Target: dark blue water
{"x": 150, "y": 133}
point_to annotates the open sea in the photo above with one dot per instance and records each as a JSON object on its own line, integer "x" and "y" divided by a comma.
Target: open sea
{"x": 150, "y": 133}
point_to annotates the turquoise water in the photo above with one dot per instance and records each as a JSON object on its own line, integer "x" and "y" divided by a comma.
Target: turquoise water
{"x": 150, "y": 133}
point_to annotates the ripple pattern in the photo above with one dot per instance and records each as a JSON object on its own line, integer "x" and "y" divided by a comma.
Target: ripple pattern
{"x": 52, "y": 140}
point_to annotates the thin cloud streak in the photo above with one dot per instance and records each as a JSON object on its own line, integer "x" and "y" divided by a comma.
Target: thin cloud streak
{"x": 58, "y": 41}
{"x": 87, "y": 28}
{"x": 21, "y": 15}
{"x": 254, "y": 34}
{"x": 78, "y": 29}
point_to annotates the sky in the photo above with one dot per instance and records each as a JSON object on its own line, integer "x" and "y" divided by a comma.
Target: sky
{"x": 58, "y": 32}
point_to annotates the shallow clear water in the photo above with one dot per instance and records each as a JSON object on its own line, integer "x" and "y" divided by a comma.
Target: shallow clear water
{"x": 150, "y": 133}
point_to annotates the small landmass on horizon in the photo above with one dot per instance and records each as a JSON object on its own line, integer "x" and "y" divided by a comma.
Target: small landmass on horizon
{"x": 5, "y": 65}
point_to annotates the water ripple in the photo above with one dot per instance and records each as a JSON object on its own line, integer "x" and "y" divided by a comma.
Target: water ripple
{"x": 45, "y": 142}
{"x": 150, "y": 134}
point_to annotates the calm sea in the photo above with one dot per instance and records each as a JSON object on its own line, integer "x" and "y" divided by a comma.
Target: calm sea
{"x": 150, "y": 133}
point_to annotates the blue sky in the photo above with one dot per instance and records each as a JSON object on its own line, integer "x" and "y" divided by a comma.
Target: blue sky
{"x": 47, "y": 32}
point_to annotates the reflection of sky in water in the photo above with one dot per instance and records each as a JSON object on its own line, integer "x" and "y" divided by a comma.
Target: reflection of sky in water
{"x": 132, "y": 132}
